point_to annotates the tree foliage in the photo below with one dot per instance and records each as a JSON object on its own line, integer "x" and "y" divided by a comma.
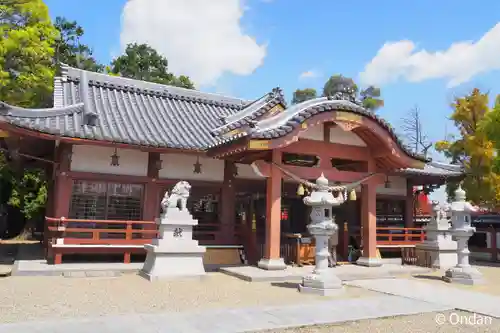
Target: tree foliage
{"x": 68, "y": 48}
{"x": 473, "y": 149}
{"x": 302, "y": 95}
{"x": 142, "y": 62}
{"x": 26, "y": 52}
{"x": 369, "y": 96}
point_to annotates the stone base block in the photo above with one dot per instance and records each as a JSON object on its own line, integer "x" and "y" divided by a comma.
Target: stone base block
{"x": 325, "y": 283}
{"x": 321, "y": 292}
{"x": 443, "y": 260}
{"x": 172, "y": 265}
{"x": 369, "y": 262}
{"x": 272, "y": 264}
{"x": 463, "y": 275}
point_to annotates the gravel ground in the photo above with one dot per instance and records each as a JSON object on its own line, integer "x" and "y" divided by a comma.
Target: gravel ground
{"x": 457, "y": 322}
{"x": 491, "y": 276}
{"x": 30, "y": 298}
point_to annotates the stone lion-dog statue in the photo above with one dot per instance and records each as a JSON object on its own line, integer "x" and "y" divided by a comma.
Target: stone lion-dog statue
{"x": 177, "y": 197}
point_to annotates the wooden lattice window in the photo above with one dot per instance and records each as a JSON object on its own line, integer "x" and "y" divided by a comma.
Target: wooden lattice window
{"x": 91, "y": 200}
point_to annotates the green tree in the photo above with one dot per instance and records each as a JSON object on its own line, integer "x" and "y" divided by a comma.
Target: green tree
{"x": 302, "y": 95}
{"x": 26, "y": 52}
{"x": 69, "y": 50}
{"x": 370, "y": 96}
{"x": 473, "y": 149}
{"x": 26, "y": 75}
{"x": 142, "y": 62}
{"x": 338, "y": 83}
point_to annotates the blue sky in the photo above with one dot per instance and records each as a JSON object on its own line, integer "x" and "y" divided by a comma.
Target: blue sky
{"x": 323, "y": 36}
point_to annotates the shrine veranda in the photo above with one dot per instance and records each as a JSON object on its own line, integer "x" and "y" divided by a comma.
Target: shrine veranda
{"x": 113, "y": 146}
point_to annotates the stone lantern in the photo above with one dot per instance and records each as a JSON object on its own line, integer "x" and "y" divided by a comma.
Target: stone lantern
{"x": 323, "y": 280}
{"x": 462, "y": 230}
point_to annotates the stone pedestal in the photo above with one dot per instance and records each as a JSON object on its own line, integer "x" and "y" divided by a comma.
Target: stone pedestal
{"x": 323, "y": 280}
{"x": 174, "y": 254}
{"x": 463, "y": 272}
{"x": 462, "y": 230}
{"x": 439, "y": 247}
{"x": 272, "y": 264}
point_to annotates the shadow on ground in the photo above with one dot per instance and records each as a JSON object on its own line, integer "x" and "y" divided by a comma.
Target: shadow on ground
{"x": 428, "y": 277}
{"x": 480, "y": 263}
{"x": 289, "y": 285}
{"x": 20, "y": 251}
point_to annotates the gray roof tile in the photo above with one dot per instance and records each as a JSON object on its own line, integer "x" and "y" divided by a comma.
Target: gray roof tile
{"x": 285, "y": 122}
{"x": 436, "y": 169}
{"x": 251, "y": 112}
{"x": 149, "y": 114}
{"x": 128, "y": 111}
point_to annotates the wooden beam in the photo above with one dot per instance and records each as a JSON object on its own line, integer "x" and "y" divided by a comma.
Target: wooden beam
{"x": 327, "y": 151}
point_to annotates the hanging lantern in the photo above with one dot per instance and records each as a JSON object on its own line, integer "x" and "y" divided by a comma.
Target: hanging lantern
{"x": 115, "y": 159}
{"x": 387, "y": 183}
{"x": 158, "y": 164}
{"x": 300, "y": 190}
{"x": 197, "y": 166}
{"x": 352, "y": 195}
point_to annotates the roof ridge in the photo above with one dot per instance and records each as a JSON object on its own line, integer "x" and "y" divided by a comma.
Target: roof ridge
{"x": 17, "y": 111}
{"x": 102, "y": 79}
{"x": 251, "y": 111}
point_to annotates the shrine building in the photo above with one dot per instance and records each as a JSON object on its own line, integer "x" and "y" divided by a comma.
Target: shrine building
{"x": 112, "y": 146}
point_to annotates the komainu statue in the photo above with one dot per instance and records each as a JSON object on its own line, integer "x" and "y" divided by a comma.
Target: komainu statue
{"x": 177, "y": 198}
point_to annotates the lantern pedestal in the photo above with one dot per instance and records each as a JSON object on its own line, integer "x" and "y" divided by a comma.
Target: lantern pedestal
{"x": 463, "y": 272}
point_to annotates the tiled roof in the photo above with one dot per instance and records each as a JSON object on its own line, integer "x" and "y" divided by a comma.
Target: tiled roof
{"x": 285, "y": 122}
{"x": 436, "y": 169}
{"x": 127, "y": 111}
{"x": 149, "y": 114}
{"x": 251, "y": 112}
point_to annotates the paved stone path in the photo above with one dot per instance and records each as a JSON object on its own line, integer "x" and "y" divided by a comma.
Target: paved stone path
{"x": 445, "y": 294}
{"x": 237, "y": 320}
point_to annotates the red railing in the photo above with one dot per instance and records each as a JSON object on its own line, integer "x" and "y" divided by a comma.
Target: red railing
{"x": 121, "y": 236}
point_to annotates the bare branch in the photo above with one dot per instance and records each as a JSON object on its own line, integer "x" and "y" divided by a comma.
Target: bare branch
{"x": 413, "y": 132}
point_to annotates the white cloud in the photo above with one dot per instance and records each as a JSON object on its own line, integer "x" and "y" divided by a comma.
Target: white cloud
{"x": 200, "y": 38}
{"x": 309, "y": 74}
{"x": 457, "y": 64}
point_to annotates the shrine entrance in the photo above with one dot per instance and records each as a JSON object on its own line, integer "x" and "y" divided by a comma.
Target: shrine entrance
{"x": 336, "y": 138}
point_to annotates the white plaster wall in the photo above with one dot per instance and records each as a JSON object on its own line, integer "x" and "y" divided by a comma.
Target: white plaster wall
{"x": 338, "y": 135}
{"x": 398, "y": 186}
{"x": 313, "y": 133}
{"x": 98, "y": 160}
{"x": 181, "y": 166}
{"x": 245, "y": 171}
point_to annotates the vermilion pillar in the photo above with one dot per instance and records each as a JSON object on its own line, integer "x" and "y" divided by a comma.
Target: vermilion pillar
{"x": 228, "y": 209}
{"x": 151, "y": 205}
{"x": 369, "y": 221}
{"x": 272, "y": 259}
{"x": 62, "y": 183}
{"x": 409, "y": 206}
